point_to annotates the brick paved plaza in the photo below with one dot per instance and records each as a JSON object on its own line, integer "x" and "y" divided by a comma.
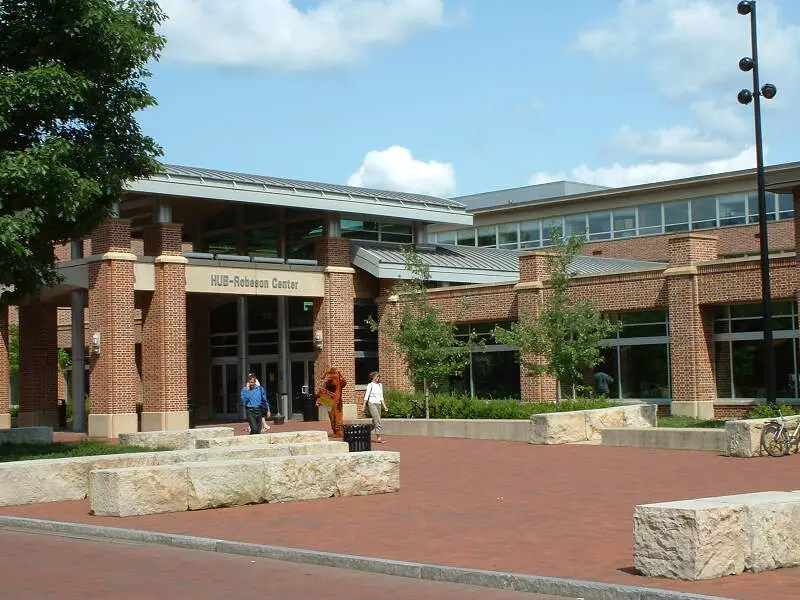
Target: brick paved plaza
{"x": 561, "y": 511}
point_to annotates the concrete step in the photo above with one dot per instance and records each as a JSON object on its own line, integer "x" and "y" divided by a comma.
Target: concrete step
{"x": 671, "y": 438}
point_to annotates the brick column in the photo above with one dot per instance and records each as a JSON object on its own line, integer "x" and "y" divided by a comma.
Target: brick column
{"x": 533, "y": 270}
{"x": 391, "y": 363}
{"x": 5, "y": 408}
{"x": 164, "y": 378}
{"x": 333, "y": 315}
{"x": 693, "y": 385}
{"x": 113, "y": 376}
{"x": 38, "y": 359}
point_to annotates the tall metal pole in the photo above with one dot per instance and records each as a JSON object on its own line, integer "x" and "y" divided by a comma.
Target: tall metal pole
{"x": 769, "y": 346}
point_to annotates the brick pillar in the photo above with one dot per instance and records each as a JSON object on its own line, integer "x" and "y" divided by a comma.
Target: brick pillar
{"x": 38, "y": 359}
{"x": 691, "y": 353}
{"x": 5, "y": 408}
{"x": 333, "y": 315}
{"x": 533, "y": 270}
{"x": 391, "y": 363}
{"x": 164, "y": 378}
{"x": 113, "y": 378}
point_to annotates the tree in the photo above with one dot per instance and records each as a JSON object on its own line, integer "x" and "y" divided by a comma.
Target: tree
{"x": 71, "y": 82}
{"x": 426, "y": 342}
{"x": 563, "y": 339}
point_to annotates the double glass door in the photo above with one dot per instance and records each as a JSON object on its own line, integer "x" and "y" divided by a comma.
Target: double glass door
{"x": 266, "y": 371}
{"x": 226, "y": 388}
{"x": 302, "y": 379}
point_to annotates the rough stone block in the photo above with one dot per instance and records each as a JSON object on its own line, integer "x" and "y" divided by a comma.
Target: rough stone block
{"x": 225, "y": 483}
{"x": 367, "y": 473}
{"x": 184, "y": 439}
{"x": 139, "y": 490}
{"x": 597, "y": 420}
{"x": 640, "y": 415}
{"x": 315, "y": 448}
{"x": 26, "y": 435}
{"x": 743, "y": 438}
{"x": 286, "y": 437}
{"x": 691, "y": 539}
{"x": 301, "y": 478}
{"x": 558, "y": 428}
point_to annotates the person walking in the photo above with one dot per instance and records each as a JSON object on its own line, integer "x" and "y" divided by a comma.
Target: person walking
{"x": 254, "y": 398}
{"x": 373, "y": 403}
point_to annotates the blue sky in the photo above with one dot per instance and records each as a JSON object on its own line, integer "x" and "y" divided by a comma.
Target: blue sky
{"x": 454, "y": 97}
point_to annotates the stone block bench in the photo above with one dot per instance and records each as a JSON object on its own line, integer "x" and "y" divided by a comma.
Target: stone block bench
{"x": 667, "y": 437}
{"x": 585, "y": 425}
{"x": 58, "y": 479}
{"x": 200, "y": 485}
{"x": 714, "y": 537}
{"x": 743, "y": 438}
{"x": 26, "y": 435}
{"x": 285, "y": 437}
{"x": 181, "y": 439}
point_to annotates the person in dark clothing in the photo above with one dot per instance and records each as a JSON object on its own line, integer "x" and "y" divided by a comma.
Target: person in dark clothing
{"x": 254, "y": 398}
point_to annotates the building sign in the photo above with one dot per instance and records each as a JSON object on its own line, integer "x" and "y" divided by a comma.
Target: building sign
{"x": 254, "y": 282}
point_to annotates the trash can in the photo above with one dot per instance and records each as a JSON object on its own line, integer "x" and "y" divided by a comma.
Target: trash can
{"x": 62, "y": 414}
{"x": 309, "y": 404}
{"x": 358, "y": 437}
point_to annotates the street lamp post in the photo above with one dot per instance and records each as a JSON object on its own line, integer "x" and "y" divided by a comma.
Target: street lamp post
{"x": 744, "y": 8}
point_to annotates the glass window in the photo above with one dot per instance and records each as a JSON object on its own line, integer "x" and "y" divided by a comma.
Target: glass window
{"x": 732, "y": 209}
{"x": 575, "y": 226}
{"x": 748, "y": 369}
{"x": 253, "y": 213}
{"x": 359, "y": 230}
{"x": 395, "y": 232}
{"x": 676, "y": 216}
{"x": 221, "y": 220}
{"x": 366, "y": 340}
{"x": 262, "y": 242}
{"x": 508, "y": 235}
{"x": 262, "y": 313}
{"x": 650, "y": 219}
{"x": 625, "y": 222}
{"x": 301, "y": 312}
{"x": 465, "y": 237}
{"x": 785, "y": 206}
{"x": 223, "y": 243}
{"x": 446, "y": 237}
{"x": 600, "y": 225}
{"x": 643, "y": 324}
{"x": 704, "y": 213}
{"x": 644, "y": 372}
{"x": 549, "y": 228}
{"x": 752, "y": 205}
{"x": 223, "y": 319}
{"x": 496, "y": 374}
{"x": 487, "y": 237}
{"x": 301, "y": 236}
{"x": 530, "y": 234}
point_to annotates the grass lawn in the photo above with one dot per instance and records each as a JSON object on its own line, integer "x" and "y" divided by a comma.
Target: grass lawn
{"x": 12, "y": 452}
{"x": 679, "y": 421}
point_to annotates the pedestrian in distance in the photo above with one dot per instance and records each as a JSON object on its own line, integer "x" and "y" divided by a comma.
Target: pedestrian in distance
{"x": 373, "y": 403}
{"x": 254, "y": 398}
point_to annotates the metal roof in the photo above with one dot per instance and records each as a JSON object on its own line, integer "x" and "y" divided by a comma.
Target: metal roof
{"x": 227, "y": 186}
{"x": 468, "y": 264}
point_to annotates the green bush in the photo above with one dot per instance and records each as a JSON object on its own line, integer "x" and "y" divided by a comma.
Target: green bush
{"x": 766, "y": 411}
{"x": 14, "y": 410}
{"x": 87, "y": 404}
{"x": 683, "y": 421}
{"x": 447, "y": 406}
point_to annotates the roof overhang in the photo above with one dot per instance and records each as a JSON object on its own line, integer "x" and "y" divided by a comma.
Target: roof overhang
{"x": 254, "y": 193}
{"x": 383, "y": 269}
{"x": 783, "y": 181}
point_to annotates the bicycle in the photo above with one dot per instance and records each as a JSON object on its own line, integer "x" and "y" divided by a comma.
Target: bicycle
{"x": 417, "y": 411}
{"x": 775, "y": 438}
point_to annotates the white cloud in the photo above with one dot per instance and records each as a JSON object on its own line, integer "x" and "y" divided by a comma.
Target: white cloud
{"x": 396, "y": 169}
{"x": 650, "y": 172}
{"x": 274, "y": 34}
{"x": 672, "y": 143}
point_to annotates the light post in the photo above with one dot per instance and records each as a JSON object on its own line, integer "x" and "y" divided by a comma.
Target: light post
{"x": 745, "y": 96}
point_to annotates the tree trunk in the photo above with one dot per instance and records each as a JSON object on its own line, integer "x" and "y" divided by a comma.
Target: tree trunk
{"x": 558, "y": 396}
{"x": 427, "y": 399}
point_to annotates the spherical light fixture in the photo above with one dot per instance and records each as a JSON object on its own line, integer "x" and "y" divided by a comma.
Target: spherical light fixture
{"x": 745, "y": 7}
{"x": 746, "y": 64}
{"x": 745, "y": 97}
{"x": 768, "y": 91}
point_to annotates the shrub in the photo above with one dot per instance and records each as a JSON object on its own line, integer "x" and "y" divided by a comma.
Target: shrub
{"x": 447, "y": 406}
{"x": 767, "y": 411}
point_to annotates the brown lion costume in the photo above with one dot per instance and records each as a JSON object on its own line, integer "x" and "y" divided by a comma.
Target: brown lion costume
{"x": 330, "y": 394}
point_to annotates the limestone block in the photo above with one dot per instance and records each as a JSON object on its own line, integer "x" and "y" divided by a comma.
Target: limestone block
{"x": 185, "y": 439}
{"x": 225, "y": 483}
{"x": 558, "y": 428}
{"x": 366, "y": 473}
{"x": 26, "y": 435}
{"x": 301, "y": 477}
{"x": 139, "y": 490}
{"x": 604, "y": 418}
{"x": 286, "y": 437}
{"x": 315, "y": 448}
{"x": 743, "y": 438}
{"x": 690, "y": 539}
{"x": 639, "y": 415}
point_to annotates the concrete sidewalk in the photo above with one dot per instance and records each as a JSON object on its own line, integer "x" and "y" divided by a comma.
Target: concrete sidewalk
{"x": 559, "y": 511}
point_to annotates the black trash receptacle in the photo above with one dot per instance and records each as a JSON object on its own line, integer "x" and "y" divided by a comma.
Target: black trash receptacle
{"x": 358, "y": 437}
{"x": 62, "y": 414}
{"x": 310, "y": 409}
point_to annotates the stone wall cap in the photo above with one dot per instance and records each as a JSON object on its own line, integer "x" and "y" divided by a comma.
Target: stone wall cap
{"x": 172, "y": 259}
{"x": 682, "y": 270}
{"x": 529, "y": 285}
{"x": 349, "y": 270}
{"x": 692, "y": 236}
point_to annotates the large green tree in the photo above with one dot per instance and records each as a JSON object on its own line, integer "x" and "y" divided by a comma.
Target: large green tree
{"x": 71, "y": 82}
{"x": 562, "y": 340}
{"x": 422, "y": 336}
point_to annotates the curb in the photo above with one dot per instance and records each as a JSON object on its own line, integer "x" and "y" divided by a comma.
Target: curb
{"x": 571, "y": 588}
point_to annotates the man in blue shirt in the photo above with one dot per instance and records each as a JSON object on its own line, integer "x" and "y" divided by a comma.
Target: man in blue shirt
{"x": 254, "y": 398}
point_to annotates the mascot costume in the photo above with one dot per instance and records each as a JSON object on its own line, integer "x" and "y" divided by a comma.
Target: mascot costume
{"x": 330, "y": 395}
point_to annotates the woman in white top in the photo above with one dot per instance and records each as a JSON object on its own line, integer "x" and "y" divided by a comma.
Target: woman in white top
{"x": 373, "y": 403}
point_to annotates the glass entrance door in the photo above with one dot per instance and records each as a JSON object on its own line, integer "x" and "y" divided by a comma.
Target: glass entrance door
{"x": 302, "y": 377}
{"x": 225, "y": 390}
{"x": 266, "y": 371}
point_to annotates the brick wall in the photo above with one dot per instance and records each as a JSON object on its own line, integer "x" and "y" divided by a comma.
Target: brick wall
{"x": 692, "y": 248}
{"x": 391, "y": 363}
{"x": 38, "y": 356}
{"x": 333, "y": 252}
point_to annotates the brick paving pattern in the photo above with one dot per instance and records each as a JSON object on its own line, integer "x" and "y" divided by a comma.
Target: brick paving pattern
{"x": 561, "y": 511}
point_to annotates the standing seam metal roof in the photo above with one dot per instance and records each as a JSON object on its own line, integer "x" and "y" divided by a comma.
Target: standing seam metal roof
{"x": 230, "y": 178}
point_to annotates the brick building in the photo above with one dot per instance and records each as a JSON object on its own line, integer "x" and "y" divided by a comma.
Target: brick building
{"x": 205, "y": 276}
